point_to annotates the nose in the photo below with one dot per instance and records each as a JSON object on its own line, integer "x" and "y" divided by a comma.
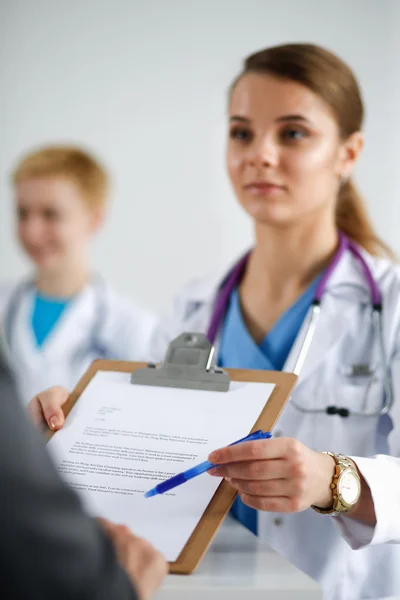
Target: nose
{"x": 263, "y": 152}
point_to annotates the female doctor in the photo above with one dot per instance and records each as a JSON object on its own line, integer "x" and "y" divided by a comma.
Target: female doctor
{"x": 314, "y": 298}
{"x": 62, "y": 317}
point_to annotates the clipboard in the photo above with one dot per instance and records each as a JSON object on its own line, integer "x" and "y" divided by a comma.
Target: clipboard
{"x": 182, "y": 369}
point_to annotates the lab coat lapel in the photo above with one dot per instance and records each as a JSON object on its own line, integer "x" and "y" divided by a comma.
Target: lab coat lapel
{"x": 72, "y": 325}
{"x": 331, "y": 327}
{"x": 346, "y": 290}
{"x": 23, "y": 343}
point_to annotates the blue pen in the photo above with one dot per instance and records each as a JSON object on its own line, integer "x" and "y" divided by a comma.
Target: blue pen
{"x": 173, "y": 482}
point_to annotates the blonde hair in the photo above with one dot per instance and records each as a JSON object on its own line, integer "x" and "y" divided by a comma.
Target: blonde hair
{"x": 71, "y": 163}
{"x": 332, "y": 80}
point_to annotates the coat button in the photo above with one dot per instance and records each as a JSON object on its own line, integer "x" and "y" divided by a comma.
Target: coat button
{"x": 278, "y": 521}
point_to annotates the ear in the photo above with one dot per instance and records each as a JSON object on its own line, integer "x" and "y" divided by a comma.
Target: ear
{"x": 349, "y": 152}
{"x": 97, "y": 218}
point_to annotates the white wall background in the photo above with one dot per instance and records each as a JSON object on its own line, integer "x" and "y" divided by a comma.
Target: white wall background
{"x": 143, "y": 84}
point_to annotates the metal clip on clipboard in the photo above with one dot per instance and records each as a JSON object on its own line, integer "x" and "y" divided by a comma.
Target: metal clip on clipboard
{"x": 188, "y": 364}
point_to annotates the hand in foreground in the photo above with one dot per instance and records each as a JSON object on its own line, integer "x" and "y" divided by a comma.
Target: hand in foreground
{"x": 145, "y": 566}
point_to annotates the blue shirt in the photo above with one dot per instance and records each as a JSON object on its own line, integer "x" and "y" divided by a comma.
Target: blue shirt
{"x": 46, "y": 313}
{"x": 238, "y": 350}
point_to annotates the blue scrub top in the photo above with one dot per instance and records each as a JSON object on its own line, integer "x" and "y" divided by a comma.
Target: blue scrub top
{"x": 46, "y": 313}
{"x": 238, "y": 350}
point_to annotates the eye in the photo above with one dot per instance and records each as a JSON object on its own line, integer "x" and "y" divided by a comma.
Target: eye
{"x": 293, "y": 134}
{"x": 22, "y": 214}
{"x": 50, "y": 215}
{"x": 242, "y": 134}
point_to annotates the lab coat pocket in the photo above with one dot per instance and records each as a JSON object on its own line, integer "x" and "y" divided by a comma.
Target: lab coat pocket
{"x": 344, "y": 426}
{"x": 359, "y": 392}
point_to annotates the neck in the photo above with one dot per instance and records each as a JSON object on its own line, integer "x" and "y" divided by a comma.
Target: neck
{"x": 288, "y": 260}
{"x": 65, "y": 283}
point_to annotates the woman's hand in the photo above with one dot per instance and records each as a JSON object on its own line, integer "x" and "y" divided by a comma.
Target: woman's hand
{"x": 276, "y": 475}
{"x": 46, "y": 408}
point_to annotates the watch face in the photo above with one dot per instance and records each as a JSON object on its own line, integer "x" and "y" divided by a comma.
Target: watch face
{"x": 349, "y": 487}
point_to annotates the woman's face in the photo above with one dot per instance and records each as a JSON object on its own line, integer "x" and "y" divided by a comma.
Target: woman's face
{"x": 285, "y": 157}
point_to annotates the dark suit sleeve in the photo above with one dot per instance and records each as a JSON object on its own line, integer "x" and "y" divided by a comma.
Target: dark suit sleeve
{"x": 49, "y": 548}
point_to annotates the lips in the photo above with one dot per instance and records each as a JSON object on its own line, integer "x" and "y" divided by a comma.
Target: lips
{"x": 40, "y": 254}
{"x": 263, "y": 187}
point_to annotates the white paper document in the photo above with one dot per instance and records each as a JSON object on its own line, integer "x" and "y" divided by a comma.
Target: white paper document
{"x": 120, "y": 440}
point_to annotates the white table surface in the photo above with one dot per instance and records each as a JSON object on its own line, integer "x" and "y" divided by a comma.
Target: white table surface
{"x": 238, "y": 565}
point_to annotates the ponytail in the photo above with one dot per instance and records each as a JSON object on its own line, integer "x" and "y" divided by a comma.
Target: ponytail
{"x": 352, "y": 218}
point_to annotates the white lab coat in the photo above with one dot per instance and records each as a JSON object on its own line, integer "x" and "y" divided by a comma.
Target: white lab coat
{"x": 98, "y": 323}
{"x": 352, "y": 561}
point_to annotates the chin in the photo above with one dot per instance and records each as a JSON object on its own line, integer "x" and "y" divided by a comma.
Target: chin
{"x": 47, "y": 264}
{"x": 273, "y": 218}
{"x": 268, "y": 212}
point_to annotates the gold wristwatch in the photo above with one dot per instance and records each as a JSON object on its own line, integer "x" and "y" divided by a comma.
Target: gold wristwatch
{"x": 345, "y": 486}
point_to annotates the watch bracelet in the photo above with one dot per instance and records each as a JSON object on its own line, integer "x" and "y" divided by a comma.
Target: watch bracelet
{"x": 345, "y": 462}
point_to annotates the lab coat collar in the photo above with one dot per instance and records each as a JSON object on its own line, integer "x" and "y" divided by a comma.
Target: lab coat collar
{"x": 78, "y": 313}
{"x": 347, "y": 288}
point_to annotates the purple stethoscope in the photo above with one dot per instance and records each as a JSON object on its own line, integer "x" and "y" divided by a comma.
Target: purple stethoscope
{"x": 231, "y": 282}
